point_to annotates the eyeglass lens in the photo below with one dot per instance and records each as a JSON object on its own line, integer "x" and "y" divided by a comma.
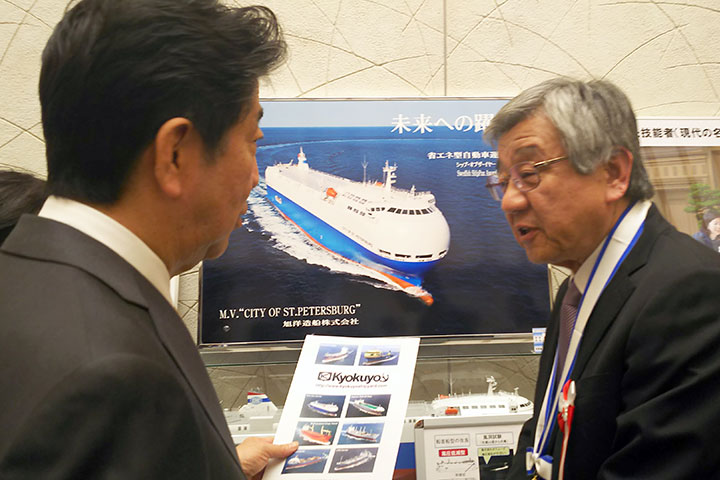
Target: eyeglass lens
{"x": 524, "y": 176}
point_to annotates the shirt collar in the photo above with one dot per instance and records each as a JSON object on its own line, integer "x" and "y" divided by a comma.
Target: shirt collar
{"x": 582, "y": 276}
{"x": 113, "y": 235}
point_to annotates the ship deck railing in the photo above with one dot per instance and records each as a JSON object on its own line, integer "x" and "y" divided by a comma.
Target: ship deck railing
{"x": 405, "y": 191}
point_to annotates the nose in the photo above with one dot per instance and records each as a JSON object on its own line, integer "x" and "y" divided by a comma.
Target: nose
{"x": 513, "y": 200}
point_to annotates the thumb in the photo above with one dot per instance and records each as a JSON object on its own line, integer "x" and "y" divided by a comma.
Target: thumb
{"x": 282, "y": 450}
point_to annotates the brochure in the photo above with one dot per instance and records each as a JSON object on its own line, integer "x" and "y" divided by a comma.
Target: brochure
{"x": 346, "y": 407}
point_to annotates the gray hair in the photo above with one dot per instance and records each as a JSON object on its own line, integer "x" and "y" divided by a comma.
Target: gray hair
{"x": 593, "y": 119}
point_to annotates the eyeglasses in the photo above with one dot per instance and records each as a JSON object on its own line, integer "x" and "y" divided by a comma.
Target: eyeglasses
{"x": 524, "y": 175}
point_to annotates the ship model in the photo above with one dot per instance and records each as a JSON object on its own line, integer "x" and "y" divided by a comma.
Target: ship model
{"x": 398, "y": 233}
{"x": 478, "y": 404}
{"x": 260, "y": 416}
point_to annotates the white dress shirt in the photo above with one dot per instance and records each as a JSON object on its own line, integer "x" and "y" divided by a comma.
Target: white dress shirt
{"x": 113, "y": 235}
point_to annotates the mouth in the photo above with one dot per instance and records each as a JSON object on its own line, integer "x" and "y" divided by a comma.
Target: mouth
{"x": 524, "y": 232}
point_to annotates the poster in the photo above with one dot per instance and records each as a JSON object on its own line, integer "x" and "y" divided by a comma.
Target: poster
{"x": 682, "y": 158}
{"x": 346, "y": 407}
{"x": 372, "y": 218}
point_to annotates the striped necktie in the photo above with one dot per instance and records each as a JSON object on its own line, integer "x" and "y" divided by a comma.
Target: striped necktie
{"x": 568, "y": 313}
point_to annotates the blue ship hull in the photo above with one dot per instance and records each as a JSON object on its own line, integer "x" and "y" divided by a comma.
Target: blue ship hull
{"x": 337, "y": 242}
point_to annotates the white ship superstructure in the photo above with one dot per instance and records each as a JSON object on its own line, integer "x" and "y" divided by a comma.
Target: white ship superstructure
{"x": 490, "y": 403}
{"x": 399, "y": 233}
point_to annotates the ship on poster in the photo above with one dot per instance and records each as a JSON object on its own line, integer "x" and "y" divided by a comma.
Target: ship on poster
{"x": 390, "y": 219}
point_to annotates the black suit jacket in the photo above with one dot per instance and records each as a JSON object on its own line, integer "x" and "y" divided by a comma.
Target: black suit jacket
{"x": 99, "y": 378}
{"x": 648, "y": 369}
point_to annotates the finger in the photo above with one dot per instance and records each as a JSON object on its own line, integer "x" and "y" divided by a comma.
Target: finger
{"x": 281, "y": 451}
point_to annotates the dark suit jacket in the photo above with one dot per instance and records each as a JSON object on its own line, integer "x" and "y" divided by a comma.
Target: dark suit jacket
{"x": 648, "y": 368}
{"x": 99, "y": 378}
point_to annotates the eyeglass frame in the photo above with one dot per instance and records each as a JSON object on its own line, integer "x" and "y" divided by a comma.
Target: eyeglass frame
{"x": 492, "y": 186}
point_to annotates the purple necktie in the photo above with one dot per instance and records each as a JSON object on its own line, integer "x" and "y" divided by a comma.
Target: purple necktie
{"x": 568, "y": 312}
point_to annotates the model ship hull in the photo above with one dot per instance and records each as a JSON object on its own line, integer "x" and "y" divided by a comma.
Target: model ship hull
{"x": 398, "y": 233}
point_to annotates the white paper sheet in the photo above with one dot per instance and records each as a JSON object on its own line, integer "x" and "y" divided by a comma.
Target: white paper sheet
{"x": 346, "y": 407}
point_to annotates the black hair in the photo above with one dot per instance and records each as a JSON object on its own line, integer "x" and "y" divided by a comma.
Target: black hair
{"x": 709, "y": 215}
{"x": 19, "y": 193}
{"x": 114, "y": 71}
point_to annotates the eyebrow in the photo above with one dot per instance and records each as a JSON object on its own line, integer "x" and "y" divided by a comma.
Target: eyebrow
{"x": 528, "y": 150}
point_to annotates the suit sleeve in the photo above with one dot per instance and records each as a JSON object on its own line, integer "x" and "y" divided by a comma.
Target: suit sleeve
{"x": 121, "y": 417}
{"x": 669, "y": 413}
{"x": 518, "y": 468}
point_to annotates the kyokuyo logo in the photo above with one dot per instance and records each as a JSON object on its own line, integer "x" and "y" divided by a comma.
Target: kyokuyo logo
{"x": 341, "y": 378}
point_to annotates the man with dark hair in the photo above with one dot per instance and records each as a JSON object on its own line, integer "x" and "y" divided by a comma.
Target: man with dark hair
{"x": 150, "y": 112}
{"x": 19, "y": 193}
{"x": 630, "y": 373}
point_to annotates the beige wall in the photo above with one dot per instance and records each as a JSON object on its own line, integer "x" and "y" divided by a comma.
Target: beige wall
{"x": 664, "y": 54}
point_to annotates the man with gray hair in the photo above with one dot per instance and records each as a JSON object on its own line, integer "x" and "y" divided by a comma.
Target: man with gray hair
{"x": 630, "y": 374}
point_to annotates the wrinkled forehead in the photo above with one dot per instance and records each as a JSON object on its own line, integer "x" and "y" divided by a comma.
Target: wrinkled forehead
{"x": 533, "y": 139}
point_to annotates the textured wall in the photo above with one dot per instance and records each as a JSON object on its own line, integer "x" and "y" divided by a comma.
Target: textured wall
{"x": 664, "y": 54}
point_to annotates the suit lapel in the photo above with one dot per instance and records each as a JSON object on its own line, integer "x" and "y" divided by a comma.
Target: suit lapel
{"x": 180, "y": 347}
{"x": 549, "y": 347}
{"x": 36, "y": 237}
{"x": 618, "y": 291}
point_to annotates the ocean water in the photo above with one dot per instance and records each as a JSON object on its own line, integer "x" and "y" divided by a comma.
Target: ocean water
{"x": 258, "y": 290}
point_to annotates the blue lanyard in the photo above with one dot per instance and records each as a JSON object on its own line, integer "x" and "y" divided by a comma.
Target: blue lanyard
{"x": 549, "y": 425}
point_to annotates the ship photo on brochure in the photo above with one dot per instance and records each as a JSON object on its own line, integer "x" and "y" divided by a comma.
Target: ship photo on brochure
{"x": 368, "y": 405}
{"x": 306, "y": 461}
{"x": 379, "y": 355}
{"x": 353, "y": 460}
{"x": 336, "y": 354}
{"x": 315, "y": 433}
{"x": 355, "y": 433}
{"x": 323, "y": 405}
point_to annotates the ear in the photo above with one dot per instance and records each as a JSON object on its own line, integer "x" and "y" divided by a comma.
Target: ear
{"x": 617, "y": 172}
{"x": 171, "y": 143}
